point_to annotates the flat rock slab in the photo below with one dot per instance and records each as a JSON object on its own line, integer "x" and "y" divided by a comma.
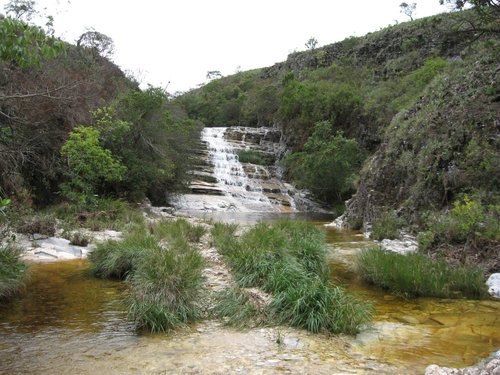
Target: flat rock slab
{"x": 493, "y": 283}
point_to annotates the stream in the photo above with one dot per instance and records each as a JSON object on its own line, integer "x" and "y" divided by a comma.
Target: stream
{"x": 71, "y": 323}
{"x": 68, "y": 322}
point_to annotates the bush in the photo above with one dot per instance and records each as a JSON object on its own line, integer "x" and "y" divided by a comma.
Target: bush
{"x": 37, "y": 224}
{"x": 79, "y": 238}
{"x": 468, "y": 222}
{"x": 329, "y": 164}
{"x": 253, "y": 157}
{"x": 415, "y": 275}
{"x": 288, "y": 259}
{"x": 387, "y": 225}
{"x": 12, "y": 272}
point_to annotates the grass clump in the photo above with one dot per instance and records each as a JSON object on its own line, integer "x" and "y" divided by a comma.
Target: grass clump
{"x": 252, "y": 157}
{"x": 105, "y": 213}
{"x": 12, "y": 271}
{"x": 165, "y": 288}
{"x": 117, "y": 259}
{"x": 163, "y": 269}
{"x": 415, "y": 275}
{"x": 179, "y": 228}
{"x": 234, "y": 308}
{"x": 288, "y": 260}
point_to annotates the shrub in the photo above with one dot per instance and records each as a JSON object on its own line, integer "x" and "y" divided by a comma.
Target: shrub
{"x": 253, "y": 157}
{"x": 329, "y": 164}
{"x": 37, "y": 224}
{"x": 387, "y": 225}
{"x": 415, "y": 275}
{"x": 79, "y": 238}
{"x": 288, "y": 259}
{"x": 12, "y": 272}
{"x": 89, "y": 166}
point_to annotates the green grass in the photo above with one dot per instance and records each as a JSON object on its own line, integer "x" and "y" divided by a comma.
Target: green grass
{"x": 117, "y": 259}
{"x": 12, "y": 272}
{"x": 179, "y": 228}
{"x": 415, "y": 275}
{"x": 163, "y": 269}
{"x": 288, "y": 260}
{"x": 253, "y": 157}
{"x": 233, "y": 307}
{"x": 166, "y": 288}
{"x": 108, "y": 213}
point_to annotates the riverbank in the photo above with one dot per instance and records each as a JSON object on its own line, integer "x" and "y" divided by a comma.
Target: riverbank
{"x": 405, "y": 337}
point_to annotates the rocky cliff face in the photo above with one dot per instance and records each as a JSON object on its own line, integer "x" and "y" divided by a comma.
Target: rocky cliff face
{"x": 441, "y": 147}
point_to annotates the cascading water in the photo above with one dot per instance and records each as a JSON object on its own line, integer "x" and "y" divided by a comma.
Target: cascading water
{"x": 231, "y": 178}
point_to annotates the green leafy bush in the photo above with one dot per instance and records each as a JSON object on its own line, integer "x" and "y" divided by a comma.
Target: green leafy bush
{"x": 89, "y": 166}
{"x": 387, "y": 225}
{"x": 329, "y": 164}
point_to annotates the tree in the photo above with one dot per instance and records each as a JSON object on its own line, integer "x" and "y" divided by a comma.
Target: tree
{"x": 328, "y": 165}
{"x": 99, "y": 43}
{"x": 311, "y": 43}
{"x": 213, "y": 74}
{"x": 88, "y": 165}
{"x": 21, "y": 9}
{"x": 408, "y": 9}
{"x": 488, "y": 10}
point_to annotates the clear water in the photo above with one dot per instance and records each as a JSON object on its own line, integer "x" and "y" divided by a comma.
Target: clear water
{"x": 70, "y": 323}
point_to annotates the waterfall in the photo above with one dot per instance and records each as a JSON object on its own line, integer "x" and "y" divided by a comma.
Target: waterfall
{"x": 229, "y": 172}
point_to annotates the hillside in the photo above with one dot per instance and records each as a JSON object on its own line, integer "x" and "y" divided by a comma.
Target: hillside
{"x": 404, "y": 121}
{"x": 74, "y": 126}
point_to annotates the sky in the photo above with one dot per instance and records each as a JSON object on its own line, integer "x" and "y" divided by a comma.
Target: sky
{"x": 174, "y": 43}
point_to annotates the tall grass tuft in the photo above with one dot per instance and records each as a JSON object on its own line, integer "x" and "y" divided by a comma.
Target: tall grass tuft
{"x": 179, "y": 228}
{"x": 165, "y": 288}
{"x": 117, "y": 259}
{"x": 415, "y": 275}
{"x": 288, "y": 260}
{"x": 233, "y": 306}
{"x": 12, "y": 272}
{"x": 163, "y": 269}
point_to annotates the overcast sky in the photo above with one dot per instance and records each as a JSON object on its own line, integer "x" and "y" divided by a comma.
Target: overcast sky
{"x": 175, "y": 42}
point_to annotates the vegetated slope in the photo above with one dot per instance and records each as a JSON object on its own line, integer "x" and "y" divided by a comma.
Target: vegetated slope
{"x": 413, "y": 96}
{"x": 404, "y": 121}
{"x": 74, "y": 126}
{"x": 40, "y": 105}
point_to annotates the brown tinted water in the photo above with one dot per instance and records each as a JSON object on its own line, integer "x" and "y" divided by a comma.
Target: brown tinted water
{"x": 70, "y": 323}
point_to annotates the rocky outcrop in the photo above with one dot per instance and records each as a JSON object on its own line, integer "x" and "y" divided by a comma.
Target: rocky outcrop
{"x": 493, "y": 284}
{"x": 490, "y": 366}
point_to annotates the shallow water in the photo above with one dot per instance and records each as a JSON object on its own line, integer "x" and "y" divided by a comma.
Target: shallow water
{"x": 69, "y": 323}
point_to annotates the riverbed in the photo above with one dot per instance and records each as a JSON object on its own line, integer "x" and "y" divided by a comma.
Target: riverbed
{"x": 68, "y": 322}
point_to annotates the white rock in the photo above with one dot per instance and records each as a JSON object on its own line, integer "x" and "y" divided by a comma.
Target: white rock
{"x": 493, "y": 283}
